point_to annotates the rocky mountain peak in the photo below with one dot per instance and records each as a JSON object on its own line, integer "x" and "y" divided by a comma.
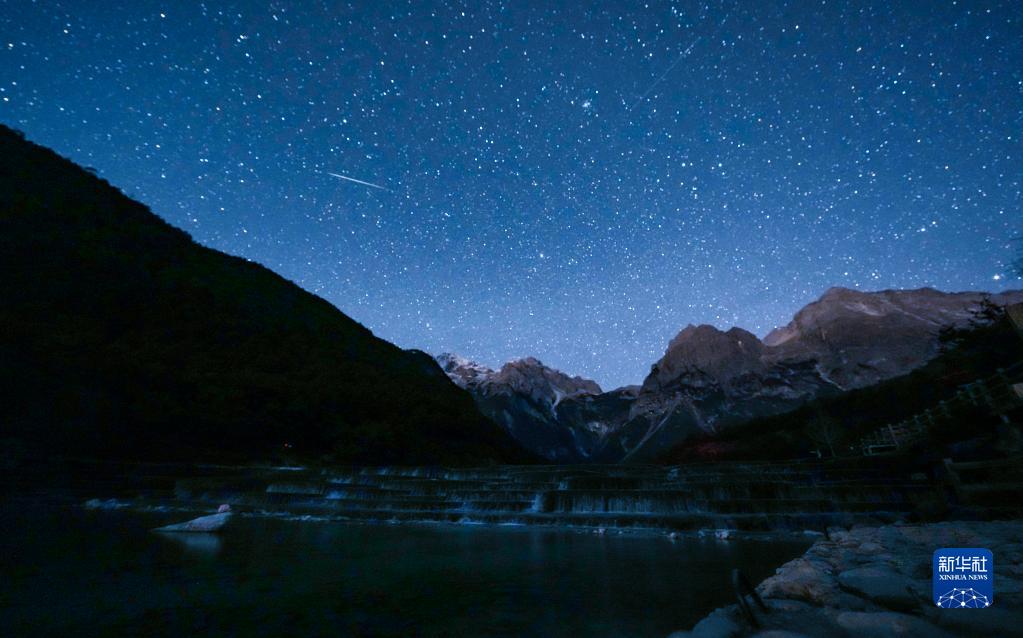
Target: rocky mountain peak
{"x": 707, "y": 352}
{"x": 530, "y": 376}
{"x": 710, "y": 379}
{"x": 559, "y": 417}
{"x": 843, "y": 309}
{"x": 464, "y": 372}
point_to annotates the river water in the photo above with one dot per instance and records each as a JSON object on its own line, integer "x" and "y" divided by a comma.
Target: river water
{"x": 68, "y": 570}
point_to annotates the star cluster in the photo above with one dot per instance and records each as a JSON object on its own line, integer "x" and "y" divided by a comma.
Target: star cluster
{"x": 574, "y": 181}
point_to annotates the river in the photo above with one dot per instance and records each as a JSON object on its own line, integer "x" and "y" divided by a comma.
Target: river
{"x": 68, "y": 570}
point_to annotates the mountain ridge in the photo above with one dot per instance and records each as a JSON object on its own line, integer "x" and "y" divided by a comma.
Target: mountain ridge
{"x": 709, "y": 378}
{"x": 529, "y": 399}
{"x": 120, "y": 337}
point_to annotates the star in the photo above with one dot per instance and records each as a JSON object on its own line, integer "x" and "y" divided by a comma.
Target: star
{"x": 707, "y": 163}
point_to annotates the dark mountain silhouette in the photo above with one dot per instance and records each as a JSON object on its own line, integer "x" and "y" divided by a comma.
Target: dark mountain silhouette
{"x": 121, "y": 337}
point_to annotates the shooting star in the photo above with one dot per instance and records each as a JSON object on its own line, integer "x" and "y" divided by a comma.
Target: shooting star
{"x": 357, "y": 181}
{"x": 685, "y": 53}
{"x": 665, "y": 74}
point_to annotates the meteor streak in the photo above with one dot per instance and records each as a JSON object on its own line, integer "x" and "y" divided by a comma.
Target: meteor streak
{"x": 357, "y": 181}
{"x": 682, "y": 55}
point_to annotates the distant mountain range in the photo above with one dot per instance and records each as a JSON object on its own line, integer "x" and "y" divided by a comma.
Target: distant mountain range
{"x": 121, "y": 337}
{"x": 709, "y": 379}
{"x": 561, "y": 418}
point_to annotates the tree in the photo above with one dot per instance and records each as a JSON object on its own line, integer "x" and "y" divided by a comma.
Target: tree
{"x": 825, "y": 430}
{"x": 986, "y": 313}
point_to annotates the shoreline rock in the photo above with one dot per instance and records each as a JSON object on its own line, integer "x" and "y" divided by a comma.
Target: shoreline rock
{"x": 876, "y": 581}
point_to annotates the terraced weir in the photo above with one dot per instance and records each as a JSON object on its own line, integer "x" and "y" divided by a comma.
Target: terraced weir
{"x": 742, "y": 497}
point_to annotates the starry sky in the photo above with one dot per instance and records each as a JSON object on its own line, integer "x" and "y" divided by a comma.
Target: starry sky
{"x": 570, "y": 180}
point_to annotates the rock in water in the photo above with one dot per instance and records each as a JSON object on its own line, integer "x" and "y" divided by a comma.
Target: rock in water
{"x": 211, "y": 523}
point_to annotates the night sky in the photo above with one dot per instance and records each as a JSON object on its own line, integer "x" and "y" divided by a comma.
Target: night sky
{"x": 574, "y": 183}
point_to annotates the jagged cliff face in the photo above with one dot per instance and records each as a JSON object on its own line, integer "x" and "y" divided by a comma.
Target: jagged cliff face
{"x": 528, "y": 377}
{"x": 559, "y": 417}
{"x": 463, "y": 372}
{"x": 860, "y": 338}
{"x": 709, "y": 379}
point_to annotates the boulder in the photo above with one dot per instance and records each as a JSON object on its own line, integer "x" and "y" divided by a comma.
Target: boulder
{"x": 880, "y": 585}
{"x": 887, "y": 624}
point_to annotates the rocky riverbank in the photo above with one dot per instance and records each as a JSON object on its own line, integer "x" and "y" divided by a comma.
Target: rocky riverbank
{"x": 876, "y": 581}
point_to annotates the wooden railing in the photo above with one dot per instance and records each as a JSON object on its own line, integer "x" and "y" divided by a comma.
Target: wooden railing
{"x": 998, "y": 394}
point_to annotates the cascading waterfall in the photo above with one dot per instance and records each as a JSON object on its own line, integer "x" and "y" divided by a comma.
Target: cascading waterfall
{"x": 537, "y": 505}
{"x": 766, "y": 496}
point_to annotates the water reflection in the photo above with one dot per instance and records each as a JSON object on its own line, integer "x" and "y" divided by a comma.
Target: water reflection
{"x": 194, "y": 543}
{"x": 265, "y": 576}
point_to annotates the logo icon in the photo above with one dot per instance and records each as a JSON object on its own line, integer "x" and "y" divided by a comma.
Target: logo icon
{"x": 963, "y": 577}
